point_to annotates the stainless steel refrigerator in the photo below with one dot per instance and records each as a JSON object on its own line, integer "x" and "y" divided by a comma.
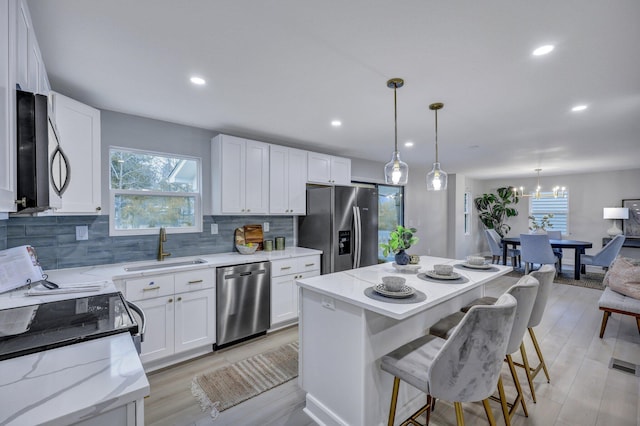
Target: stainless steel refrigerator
{"x": 342, "y": 221}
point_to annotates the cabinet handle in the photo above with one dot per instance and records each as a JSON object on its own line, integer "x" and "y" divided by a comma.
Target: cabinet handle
{"x": 179, "y": 299}
{"x": 170, "y": 300}
{"x": 308, "y": 264}
{"x": 284, "y": 268}
{"x": 98, "y": 208}
{"x": 248, "y": 210}
{"x": 151, "y": 288}
{"x": 194, "y": 281}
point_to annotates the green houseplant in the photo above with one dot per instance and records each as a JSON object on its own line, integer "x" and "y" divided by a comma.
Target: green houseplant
{"x": 400, "y": 240}
{"x": 494, "y": 209}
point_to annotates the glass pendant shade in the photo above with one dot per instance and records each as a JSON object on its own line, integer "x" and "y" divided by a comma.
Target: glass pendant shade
{"x": 436, "y": 179}
{"x": 396, "y": 171}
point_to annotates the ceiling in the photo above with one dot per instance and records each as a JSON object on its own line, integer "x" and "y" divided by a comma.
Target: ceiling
{"x": 281, "y": 70}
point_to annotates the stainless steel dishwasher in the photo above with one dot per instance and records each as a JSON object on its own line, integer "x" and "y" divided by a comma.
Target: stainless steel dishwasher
{"x": 243, "y": 301}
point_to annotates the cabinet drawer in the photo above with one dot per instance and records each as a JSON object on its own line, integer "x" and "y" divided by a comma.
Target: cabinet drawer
{"x": 149, "y": 287}
{"x": 194, "y": 280}
{"x": 284, "y": 267}
{"x": 308, "y": 263}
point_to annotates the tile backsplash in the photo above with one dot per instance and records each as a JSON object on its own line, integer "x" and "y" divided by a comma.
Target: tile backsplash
{"x": 54, "y": 238}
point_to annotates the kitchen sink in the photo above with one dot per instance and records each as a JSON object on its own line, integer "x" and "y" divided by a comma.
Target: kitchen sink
{"x": 162, "y": 265}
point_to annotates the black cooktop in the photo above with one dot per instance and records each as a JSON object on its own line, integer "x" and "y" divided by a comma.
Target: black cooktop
{"x": 34, "y": 328}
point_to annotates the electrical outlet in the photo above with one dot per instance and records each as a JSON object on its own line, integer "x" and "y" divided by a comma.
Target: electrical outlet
{"x": 214, "y": 228}
{"x": 265, "y": 227}
{"x": 82, "y": 233}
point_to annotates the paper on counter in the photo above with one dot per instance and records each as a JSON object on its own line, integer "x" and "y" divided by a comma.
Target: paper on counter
{"x": 40, "y": 290}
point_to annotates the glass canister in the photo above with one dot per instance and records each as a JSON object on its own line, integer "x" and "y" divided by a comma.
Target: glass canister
{"x": 268, "y": 245}
{"x": 279, "y": 243}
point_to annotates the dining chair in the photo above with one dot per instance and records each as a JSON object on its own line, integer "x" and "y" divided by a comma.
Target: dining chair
{"x": 556, "y": 235}
{"x": 464, "y": 368}
{"x": 605, "y": 256}
{"x": 495, "y": 245}
{"x": 525, "y": 292}
{"x": 536, "y": 249}
{"x": 545, "y": 276}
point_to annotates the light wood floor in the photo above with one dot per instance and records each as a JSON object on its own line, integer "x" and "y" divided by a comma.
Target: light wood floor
{"x": 583, "y": 391}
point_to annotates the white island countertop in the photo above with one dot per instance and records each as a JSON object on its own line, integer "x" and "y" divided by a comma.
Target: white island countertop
{"x": 349, "y": 286}
{"x": 73, "y": 383}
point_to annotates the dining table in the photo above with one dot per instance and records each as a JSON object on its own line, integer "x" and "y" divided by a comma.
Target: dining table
{"x": 579, "y": 248}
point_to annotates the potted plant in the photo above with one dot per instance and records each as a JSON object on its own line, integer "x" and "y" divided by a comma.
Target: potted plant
{"x": 540, "y": 228}
{"x": 400, "y": 239}
{"x": 494, "y": 209}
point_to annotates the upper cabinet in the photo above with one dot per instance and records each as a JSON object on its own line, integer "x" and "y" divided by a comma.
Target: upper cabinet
{"x": 327, "y": 169}
{"x": 240, "y": 176}
{"x": 30, "y": 71}
{"x": 7, "y": 108}
{"x": 78, "y": 127}
{"x": 287, "y": 181}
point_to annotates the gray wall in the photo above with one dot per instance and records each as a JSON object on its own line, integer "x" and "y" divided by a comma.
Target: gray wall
{"x": 54, "y": 236}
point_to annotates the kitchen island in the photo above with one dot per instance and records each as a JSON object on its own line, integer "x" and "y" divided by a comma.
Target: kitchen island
{"x": 344, "y": 333}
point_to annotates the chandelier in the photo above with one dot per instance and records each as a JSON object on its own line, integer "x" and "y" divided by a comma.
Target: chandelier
{"x": 556, "y": 192}
{"x": 396, "y": 171}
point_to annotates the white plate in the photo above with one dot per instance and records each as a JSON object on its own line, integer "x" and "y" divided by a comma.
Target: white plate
{"x": 406, "y": 268}
{"x": 483, "y": 266}
{"x": 433, "y": 274}
{"x": 405, "y": 292}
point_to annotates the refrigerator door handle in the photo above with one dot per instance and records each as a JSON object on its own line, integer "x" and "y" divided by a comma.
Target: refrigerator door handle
{"x": 357, "y": 237}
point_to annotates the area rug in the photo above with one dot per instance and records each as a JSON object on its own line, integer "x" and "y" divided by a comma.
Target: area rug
{"x": 230, "y": 385}
{"x": 588, "y": 280}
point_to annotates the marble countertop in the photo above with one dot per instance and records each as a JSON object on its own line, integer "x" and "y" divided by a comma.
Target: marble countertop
{"x": 349, "y": 286}
{"x": 69, "y": 384}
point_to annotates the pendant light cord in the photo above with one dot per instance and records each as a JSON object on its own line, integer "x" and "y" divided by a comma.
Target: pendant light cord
{"x": 395, "y": 115}
{"x": 436, "y": 136}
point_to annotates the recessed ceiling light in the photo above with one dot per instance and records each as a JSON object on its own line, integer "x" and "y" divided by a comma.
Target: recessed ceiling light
{"x": 336, "y": 123}
{"x": 198, "y": 80}
{"x": 543, "y": 50}
{"x": 579, "y": 108}
{"x": 408, "y": 144}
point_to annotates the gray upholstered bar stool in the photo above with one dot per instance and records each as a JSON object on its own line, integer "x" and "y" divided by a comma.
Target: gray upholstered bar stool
{"x": 464, "y": 368}
{"x": 545, "y": 276}
{"x": 524, "y": 291}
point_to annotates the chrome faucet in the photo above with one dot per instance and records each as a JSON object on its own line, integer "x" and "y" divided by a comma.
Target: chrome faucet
{"x": 163, "y": 238}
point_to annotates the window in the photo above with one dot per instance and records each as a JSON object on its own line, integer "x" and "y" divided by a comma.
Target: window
{"x": 390, "y": 214}
{"x": 467, "y": 213}
{"x": 546, "y": 204}
{"x": 151, "y": 190}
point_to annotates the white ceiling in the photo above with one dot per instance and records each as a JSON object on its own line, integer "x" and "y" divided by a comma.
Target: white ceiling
{"x": 281, "y": 70}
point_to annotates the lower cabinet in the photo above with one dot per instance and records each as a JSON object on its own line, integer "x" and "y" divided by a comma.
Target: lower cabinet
{"x": 284, "y": 291}
{"x": 180, "y": 311}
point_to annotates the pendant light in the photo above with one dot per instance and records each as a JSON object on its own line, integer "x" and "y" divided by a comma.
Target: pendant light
{"x": 436, "y": 178}
{"x": 396, "y": 171}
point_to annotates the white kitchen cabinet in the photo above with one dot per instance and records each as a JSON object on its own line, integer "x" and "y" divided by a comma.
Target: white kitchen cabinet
{"x": 328, "y": 169}
{"x": 287, "y": 180}
{"x": 30, "y": 71}
{"x": 240, "y": 176}
{"x": 7, "y": 108}
{"x": 79, "y": 131}
{"x": 180, "y": 311}
{"x": 284, "y": 291}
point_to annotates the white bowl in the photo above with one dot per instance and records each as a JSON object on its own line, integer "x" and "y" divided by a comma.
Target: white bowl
{"x": 475, "y": 260}
{"x": 393, "y": 283}
{"x": 443, "y": 269}
{"x": 246, "y": 249}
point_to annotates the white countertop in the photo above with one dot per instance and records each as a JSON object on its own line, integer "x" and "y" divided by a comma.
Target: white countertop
{"x": 349, "y": 286}
{"x": 72, "y": 383}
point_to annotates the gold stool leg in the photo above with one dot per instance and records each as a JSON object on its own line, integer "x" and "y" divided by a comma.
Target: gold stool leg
{"x": 394, "y": 401}
{"x": 459, "y": 415}
{"x": 487, "y": 409}
{"x": 539, "y": 352}
{"x": 429, "y": 408}
{"x": 527, "y": 370}
{"x": 503, "y": 403}
{"x": 520, "y": 397}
